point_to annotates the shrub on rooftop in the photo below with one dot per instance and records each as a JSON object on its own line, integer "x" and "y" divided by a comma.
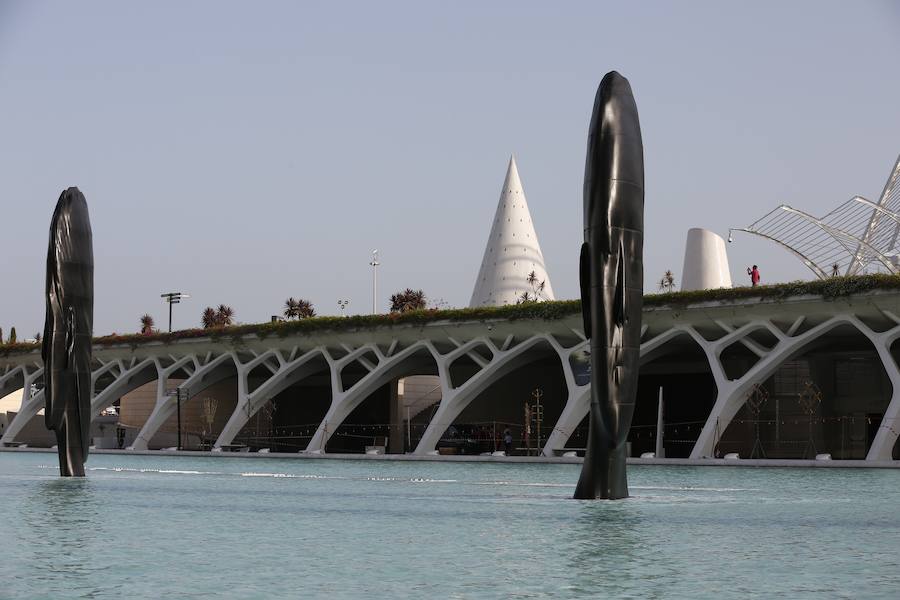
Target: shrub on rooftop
{"x": 829, "y": 289}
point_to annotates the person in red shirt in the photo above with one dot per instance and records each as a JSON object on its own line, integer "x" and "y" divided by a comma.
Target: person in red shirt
{"x": 754, "y": 275}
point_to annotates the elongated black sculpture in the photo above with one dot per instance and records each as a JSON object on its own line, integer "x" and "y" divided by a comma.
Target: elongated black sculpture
{"x": 612, "y": 275}
{"x": 66, "y": 348}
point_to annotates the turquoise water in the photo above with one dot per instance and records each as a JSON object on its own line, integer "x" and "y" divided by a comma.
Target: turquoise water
{"x": 158, "y": 527}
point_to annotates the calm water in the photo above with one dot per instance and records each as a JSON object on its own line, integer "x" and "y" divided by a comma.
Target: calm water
{"x": 157, "y": 527}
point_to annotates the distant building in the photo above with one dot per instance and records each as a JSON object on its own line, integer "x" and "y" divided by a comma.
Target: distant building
{"x": 705, "y": 262}
{"x": 512, "y": 251}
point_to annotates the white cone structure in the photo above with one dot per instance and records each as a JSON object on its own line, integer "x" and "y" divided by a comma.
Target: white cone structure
{"x": 512, "y": 251}
{"x": 705, "y": 262}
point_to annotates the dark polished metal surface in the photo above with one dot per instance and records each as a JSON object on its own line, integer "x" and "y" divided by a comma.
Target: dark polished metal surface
{"x": 611, "y": 276}
{"x": 66, "y": 348}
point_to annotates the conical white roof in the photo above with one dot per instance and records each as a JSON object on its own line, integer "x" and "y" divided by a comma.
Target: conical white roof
{"x": 512, "y": 250}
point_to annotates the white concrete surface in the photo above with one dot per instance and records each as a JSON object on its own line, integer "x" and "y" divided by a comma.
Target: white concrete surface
{"x": 497, "y": 347}
{"x": 705, "y": 261}
{"x": 512, "y": 250}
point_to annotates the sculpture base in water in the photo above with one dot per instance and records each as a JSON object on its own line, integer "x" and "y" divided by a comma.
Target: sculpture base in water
{"x": 603, "y": 474}
{"x": 69, "y": 448}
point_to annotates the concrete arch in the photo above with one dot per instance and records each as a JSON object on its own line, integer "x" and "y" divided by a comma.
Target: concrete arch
{"x": 732, "y": 393}
{"x": 863, "y": 337}
{"x": 30, "y": 406}
{"x": 410, "y": 361}
{"x": 500, "y": 397}
{"x": 889, "y": 428}
{"x": 129, "y": 379}
{"x": 205, "y": 376}
{"x": 12, "y": 380}
{"x": 578, "y": 404}
{"x": 681, "y": 370}
{"x": 288, "y": 373}
{"x": 454, "y": 400}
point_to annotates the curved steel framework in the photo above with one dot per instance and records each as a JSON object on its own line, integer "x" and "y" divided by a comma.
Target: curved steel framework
{"x": 856, "y": 236}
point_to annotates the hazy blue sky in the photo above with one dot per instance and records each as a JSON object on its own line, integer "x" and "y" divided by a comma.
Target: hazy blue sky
{"x": 246, "y": 152}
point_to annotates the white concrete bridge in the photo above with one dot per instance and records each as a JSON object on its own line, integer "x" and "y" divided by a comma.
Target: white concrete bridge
{"x": 740, "y": 343}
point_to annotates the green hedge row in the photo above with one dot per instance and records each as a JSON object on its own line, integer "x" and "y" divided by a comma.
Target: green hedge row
{"x": 834, "y": 287}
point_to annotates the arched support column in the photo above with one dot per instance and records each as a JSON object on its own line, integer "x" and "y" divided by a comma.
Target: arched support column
{"x": 128, "y": 380}
{"x": 455, "y": 400}
{"x": 288, "y": 372}
{"x": 214, "y": 371}
{"x": 12, "y": 380}
{"x": 29, "y": 407}
{"x": 343, "y": 402}
{"x": 162, "y": 382}
{"x": 732, "y": 393}
{"x": 883, "y": 445}
{"x": 578, "y": 403}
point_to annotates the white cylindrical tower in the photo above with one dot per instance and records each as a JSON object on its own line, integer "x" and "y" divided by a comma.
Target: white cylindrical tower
{"x": 705, "y": 261}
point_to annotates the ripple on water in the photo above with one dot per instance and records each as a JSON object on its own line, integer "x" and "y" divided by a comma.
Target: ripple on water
{"x": 150, "y": 527}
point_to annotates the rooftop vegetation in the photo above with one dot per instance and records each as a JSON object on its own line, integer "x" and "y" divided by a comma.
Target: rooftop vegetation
{"x": 829, "y": 289}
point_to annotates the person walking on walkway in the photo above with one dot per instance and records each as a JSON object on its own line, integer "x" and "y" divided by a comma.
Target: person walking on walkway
{"x": 754, "y": 275}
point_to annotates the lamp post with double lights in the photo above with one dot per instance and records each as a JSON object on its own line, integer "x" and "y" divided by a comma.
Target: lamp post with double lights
{"x": 173, "y": 298}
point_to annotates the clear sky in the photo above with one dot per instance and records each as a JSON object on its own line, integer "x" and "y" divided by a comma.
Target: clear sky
{"x": 247, "y": 152}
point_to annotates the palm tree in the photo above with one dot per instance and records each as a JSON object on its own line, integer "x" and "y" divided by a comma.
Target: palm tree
{"x": 408, "y": 299}
{"x": 537, "y": 289}
{"x": 305, "y": 309}
{"x": 209, "y": 319}
{"x": 146, "y": 324}
{"x": 667, "y": 283}
{"x": 290, "y": 308}
{"x": 217, "y": 317}
{"x": 298, "y": 309}
{"x": 225, "y": 315}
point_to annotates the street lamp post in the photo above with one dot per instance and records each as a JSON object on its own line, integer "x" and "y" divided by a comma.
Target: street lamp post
{"x": 343, "y": 304}
{"x": 173, "y": 298}
{"x": 374, "y": 264}
{"x": 180, "y": 395}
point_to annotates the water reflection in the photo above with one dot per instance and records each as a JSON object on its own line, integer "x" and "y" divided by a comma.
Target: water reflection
{"x": 64, "y": 521}
{"x": 611, "y": 548}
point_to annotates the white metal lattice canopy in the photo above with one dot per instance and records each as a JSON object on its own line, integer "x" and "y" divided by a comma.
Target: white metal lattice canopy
{"x": 857, "y": 236}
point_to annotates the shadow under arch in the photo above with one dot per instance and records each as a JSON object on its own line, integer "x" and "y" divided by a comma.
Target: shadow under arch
{"x": 500, "y": 405}
{"x": 205, "y": 379}
{"x": 827, "y": 396}
{"x": 12, "y": 381}
{"x": 30, "y": 381}
{"x": 128, "y": 380}
{"x": 680, "y": 368}
{"x": 417, "y": 359}
{"x": 287, "y": 373}
{"x": 455, "y": 400}
{"x": 287, "y": 414}
{"x": 672, "y": 359}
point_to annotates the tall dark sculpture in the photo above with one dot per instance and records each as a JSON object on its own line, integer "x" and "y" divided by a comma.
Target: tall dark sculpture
{"x": 66, "y": 348}
{"x": 612, "y": 275}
